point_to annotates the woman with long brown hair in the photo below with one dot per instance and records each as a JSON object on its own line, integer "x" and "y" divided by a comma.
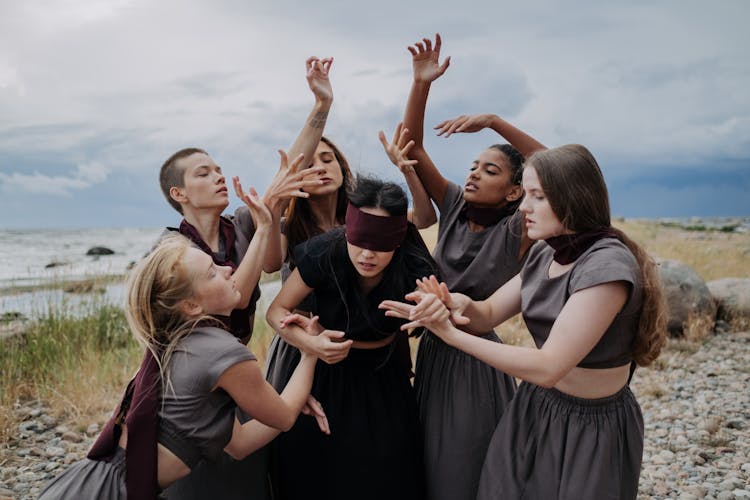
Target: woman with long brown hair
{"x": 592, "y": 300}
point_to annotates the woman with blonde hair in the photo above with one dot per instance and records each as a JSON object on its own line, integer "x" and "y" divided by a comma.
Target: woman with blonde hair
{"x": 179, "y": 410}
{"x": 592, "y": 300}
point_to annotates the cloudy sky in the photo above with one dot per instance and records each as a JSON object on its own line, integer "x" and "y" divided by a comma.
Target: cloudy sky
{"x": 94, "y": 95}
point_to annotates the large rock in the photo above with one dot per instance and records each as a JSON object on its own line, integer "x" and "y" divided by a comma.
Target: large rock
{"x": 732, "y": 295}
{"x": 100, "y": 251}
{"x": 688, "y": 297}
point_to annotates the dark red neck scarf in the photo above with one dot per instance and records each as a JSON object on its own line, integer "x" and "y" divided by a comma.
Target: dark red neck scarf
{"x": 139, "y": 411}
{"x": 380, "y": 233}
{"x": 226, "y": 229}
{"x": 568, "y": 247}
{"x": 485, "y": 216}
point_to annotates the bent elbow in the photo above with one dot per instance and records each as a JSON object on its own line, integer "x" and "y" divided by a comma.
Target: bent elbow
{"x": 549, "y": 379}
{"x": 288, "y": 423}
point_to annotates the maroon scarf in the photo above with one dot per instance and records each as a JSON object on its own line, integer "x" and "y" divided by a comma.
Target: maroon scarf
{"x": 240, "y": 318}
{"x": 138, "y": 410}
{"x": 226, "y": 229}
{"x": 568, "y": 247}
{"x": 485, "y": 216}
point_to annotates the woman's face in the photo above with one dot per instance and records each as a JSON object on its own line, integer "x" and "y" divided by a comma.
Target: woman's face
{"x": 204, "y": 186}
{"x": 332, "y": 176}
{"x": 541, "y": 222}
{"x": 370, "y": 264}
{"x": 214, "y": 289}
{"x": 490, "y": 180}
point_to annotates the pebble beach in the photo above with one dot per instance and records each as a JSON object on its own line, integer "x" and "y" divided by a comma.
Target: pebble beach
{"x": 696, "y": 409}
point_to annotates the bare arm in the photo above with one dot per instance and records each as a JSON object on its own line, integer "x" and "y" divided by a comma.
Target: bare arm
{"x": 327, "y": 345}
{"x": 524, "y": 143}
{"x": 580, "y": 325}
{"x": 248, "y": 271}
{"x": 426, "y": 68}
{"x": 244, "y": 382}
{"x": 422, "y": 214}
{"x": 317, "y": 78}
{"x": 288, "y": 182}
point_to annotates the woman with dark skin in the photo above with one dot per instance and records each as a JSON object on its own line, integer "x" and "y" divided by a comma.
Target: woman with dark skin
{"x": 593, "y": 302}
{"x": 481, "y": 244}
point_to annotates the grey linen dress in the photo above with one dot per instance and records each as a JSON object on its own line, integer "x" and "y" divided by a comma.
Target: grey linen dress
{"x": 225, "y": 477}
{"x": 195, "y": 423}
{"x": 460, "y": 398}
{"x": 553, "y": 445}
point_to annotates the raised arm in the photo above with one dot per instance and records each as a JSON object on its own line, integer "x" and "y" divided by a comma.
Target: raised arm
{"x": 426, "y": 69}
{"x": 524, "y": 143}
{"x": 305, "y": 144}
{"x": 312, "y": 130}
{"x": 248, "y": 271}
{"x": 422, "y": 214}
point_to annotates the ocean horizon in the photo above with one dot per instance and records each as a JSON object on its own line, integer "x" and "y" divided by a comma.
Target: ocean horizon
{"x": 34, "y": 263}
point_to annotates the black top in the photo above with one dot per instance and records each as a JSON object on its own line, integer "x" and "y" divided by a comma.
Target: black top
{"x": 324, "y": 265}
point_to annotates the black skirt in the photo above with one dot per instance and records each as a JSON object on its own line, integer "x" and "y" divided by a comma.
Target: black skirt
{"x": 374, "y": 450}
{"x": 552, "y": 445}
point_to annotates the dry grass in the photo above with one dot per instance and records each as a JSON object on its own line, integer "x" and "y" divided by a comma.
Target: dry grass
{"x": 711, "y": 254}
{"x": 82, "y": 379}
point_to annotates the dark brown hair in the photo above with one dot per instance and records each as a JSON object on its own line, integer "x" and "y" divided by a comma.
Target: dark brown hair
{"x": 300, "y": 223}
{"x": 574, "y": 186}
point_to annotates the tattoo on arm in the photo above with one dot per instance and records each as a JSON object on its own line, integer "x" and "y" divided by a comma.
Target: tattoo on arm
{"x": 319, "y": 120}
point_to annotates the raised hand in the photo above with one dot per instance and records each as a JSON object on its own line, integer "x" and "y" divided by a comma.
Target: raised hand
{"x": 426, "y": 60}
{"x": 464, "y": 123}
{"x": 315, "y": 409}
{"x": 398, "y": 149}
{"x": 317, "y": 77}
{"x": 289, "y": 181}
{"x": 258, "y": 210}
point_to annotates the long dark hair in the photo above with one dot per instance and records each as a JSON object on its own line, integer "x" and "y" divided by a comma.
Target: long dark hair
{"x": 411, "y": 259}
{"x": 300, "y": 223}
{"x": 574, "y": 185}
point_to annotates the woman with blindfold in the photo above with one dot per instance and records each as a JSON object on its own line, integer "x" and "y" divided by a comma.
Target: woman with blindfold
{"x": 374, "y": 449}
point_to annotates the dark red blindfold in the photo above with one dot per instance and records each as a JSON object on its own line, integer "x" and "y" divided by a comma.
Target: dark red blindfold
{"x": 374, "y": 232}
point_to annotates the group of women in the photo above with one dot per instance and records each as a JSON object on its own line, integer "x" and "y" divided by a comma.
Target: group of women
{"x": 197, "y": 419}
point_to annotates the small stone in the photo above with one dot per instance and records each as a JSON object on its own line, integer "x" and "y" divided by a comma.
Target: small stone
{"x": 92, "y": 429}
{"x": 54, "y": 451}
{"x": 738, "y": 493}
{"x": 746, "y": 467}
{"x": 72, "y": 437}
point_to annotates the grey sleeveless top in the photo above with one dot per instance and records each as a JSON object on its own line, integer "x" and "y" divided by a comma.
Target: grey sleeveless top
{"x": 196, "y": 422}
{"x": 542, "y": 297}
{"x": 475, "y": 264}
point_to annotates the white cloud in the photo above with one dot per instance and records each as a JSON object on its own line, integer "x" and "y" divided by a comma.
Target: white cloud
{"x": 124, "y": 83}
{"x": 85, "y": 176}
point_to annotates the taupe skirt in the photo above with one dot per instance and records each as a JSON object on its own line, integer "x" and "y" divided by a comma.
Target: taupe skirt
{"x": 90, "y": 480}
{"x": 551, "y": 445}
{"x": 460, "y": 401}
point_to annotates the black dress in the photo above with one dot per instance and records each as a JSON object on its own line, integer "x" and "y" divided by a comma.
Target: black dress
{"x": 374, "y": 450}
